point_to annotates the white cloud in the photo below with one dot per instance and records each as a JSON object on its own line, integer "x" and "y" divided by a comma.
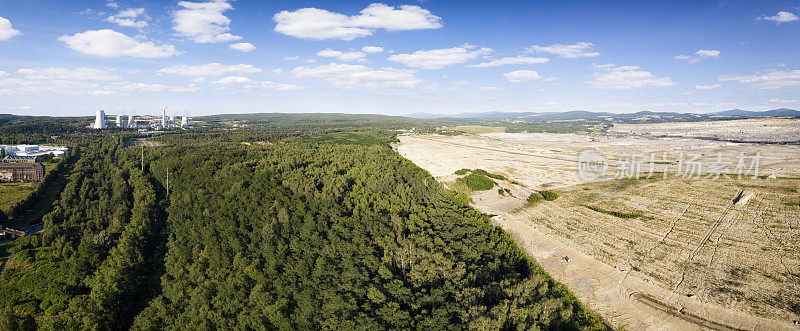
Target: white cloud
{"x": 211, "y": 69}
{"x": 243, "y": 47}
{"x": 109, "y": 43}
{"x": 781, "y": 17}
{"x": 277, "y": 70}
{"x": 371, "y": 49}
{"x": 771, "y": 79}
{"x": 510, "y": 60}
{"x": 81, "y": 73}
{"x": 776, "y": 101}
{"x": 610, "y": 76}
{"x": 580, "y": 49}
{"x": 3, "y": 73}
{"x": 280, "y": 87}
{"x": 235, "y": 80}
{"x": 112, "y": 4}
{"x": 707, "y": 53}
{"x": 127, "y": 18}
{"x": 439, "y": 58}
{"x": 708, "y": 87}
{"x": 203, "y": 22}
{"x": 521, "y": 76}
{"x": 6, "y": 31}
{"x": 351, "y": 76}
{"x": 341, "y": 56}
{"x": 291, "y": 58}
{"x": 320, "y": 24}
{"x": 699, "y": 55}
{"x": 144, "y": 87}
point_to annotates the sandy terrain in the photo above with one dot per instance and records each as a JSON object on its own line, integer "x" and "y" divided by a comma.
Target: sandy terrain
{"x": 689, "y": 257}
{"x": 750, "y": 130}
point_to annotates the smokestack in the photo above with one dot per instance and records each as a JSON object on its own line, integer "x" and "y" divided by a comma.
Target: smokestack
{"x": 100, "y": 120}
{"x": 131, "y": 121}
{"x": 120, "y": 124}
{"x": 164, "y": 117}
{"x": 172, "y": 120}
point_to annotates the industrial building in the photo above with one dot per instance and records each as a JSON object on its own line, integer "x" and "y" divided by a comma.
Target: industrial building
{"x": 24, "y": 151}
{"x": 162, "y": 123}
{"x": 21, "y": 172}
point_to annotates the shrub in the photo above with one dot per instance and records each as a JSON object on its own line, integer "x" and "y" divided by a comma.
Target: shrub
{"x": 534, "y": 198}
{"x": 488, "y": 174}
{"x": 476, "y": 182}
{"x": 615, "y": 213}
{"x": 549, "y": 195}
{"x": 462, "y": 171}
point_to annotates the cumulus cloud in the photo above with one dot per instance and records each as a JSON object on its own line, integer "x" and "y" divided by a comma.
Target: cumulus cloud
{"x": 145, "y": 87}
{"x": 242, "y": 47}
{"x": 128, "y": 18}
{"x": 81, "y": 73}
{"x": 771, "y": 79}
{"x": 109, "y": 43}
{"x": 781, "y": 17}
{"x": 341, "y": 56}
{"x": 6, "y": 31}
{"x": 611, "y": 76}
{"x": 352, "y": 76}
{"x": 320, "y": 24}
{"x": 521, "y": 76}
{"x": 699, "y": 55}
{"x": 211, "y": 69}
{"x": 439, "y": 58}
{"x": 371, "y": 49}
{"x": 235, "y": 80}
{"x": 580, "y": 49}
{"x": 510, "y": 60}
{"x": 203, "y": 22}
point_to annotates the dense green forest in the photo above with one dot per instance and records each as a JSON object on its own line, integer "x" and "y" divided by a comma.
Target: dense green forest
{"x": 323, "y": 226}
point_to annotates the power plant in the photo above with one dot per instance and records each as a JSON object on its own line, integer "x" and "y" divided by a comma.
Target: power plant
{"x": 100, "y": 120}
{"x": 141, "y": 122}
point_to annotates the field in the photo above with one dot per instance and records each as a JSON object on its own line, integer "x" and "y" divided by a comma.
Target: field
{"x": 644, "y": 252}
{"x": 12, "y": 192}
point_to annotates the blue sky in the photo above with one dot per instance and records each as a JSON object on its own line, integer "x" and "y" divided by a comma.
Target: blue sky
{"x": 132, "y": 57}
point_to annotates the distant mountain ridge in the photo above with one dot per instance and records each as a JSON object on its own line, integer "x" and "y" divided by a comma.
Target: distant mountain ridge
{"x": 588, "y": 115}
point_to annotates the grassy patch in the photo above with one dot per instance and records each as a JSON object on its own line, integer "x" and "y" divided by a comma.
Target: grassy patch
{"x": 12, "y": 192}
{"x": 488, "y": 174}
{"x": 476, "y": 182}
{"x": 534, "y": 198}
{"x": 615, "y": 213}
{"x": 462, "y": 172}
{"x": 549, "y": 195}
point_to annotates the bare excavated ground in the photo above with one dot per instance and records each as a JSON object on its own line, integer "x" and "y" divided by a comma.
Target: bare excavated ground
{"x": 654, "y": 253}
{"x": 772, "y": 130}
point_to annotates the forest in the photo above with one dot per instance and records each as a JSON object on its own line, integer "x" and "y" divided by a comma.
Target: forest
{"x": 270, "y": 227}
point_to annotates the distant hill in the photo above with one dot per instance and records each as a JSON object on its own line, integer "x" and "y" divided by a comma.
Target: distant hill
{"x": 782, "y": 112}
{"x": 638, "y": 117}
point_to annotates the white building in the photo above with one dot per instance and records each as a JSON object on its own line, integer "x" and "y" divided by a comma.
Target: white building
{"x": 34, "y": 150}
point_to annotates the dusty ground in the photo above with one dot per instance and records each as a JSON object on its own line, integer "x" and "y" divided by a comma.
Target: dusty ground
{"x": 687, "y": 257}
{"x": 751, "y": 130}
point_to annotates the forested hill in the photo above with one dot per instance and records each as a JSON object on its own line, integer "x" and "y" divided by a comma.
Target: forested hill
{"x": 333, "y": 230}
